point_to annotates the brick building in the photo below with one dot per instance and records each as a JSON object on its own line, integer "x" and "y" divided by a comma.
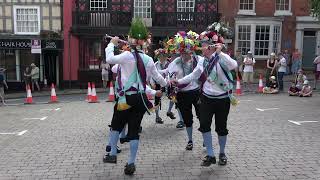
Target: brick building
{"x": 23, "y": 21}
{"x": 265, "y": 26}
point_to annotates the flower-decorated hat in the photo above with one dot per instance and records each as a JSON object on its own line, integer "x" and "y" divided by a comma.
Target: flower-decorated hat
{"x": 183, "y": 42}
{"x": 215, "y": 33}
{"x": 160, "y": 52}
{"x": 138, "y": 33}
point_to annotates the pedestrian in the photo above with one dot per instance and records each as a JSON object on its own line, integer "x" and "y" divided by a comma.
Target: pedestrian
{"x": 271, "y": 68}
{"x": 282, "y": 64}
{"x": 161, "y": 65}
{"x": 187, "y": 94}
{"x": 239, "y": 58}
{"x": 35, "y": 76}
{"x": 132, "y": 101}
{"x": 273, "y": 86}
{"x": 287, "y": 56}
{"x": 3, "y": 84}
{"x": 249, "y": 62}
{"x": 214, "y": 73}
{"x": 105, "y": 69}
{"x": 316, "y": 62}
{"x": 306, "y": 90}
{"x": 296, "y": 62}
{"x": 300, "y": 78}
{"x": 27, "y": 76}
{"x": 293, "y": 90}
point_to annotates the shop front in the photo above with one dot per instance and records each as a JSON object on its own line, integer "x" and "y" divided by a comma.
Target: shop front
{"x": 18, "y": 54}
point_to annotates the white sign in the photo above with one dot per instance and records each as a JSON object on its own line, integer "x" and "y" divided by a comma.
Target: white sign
{"x": 36, "y": 46}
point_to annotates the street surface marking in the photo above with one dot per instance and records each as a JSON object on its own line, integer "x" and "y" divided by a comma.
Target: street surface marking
{"x": 41, "y": 119}
{"x": 300, "y": 122}
{"x": 245, "y": 100}
{"x": 57, "y": 109}
{"x": 15, "y": 133}
{"x": 266, "y": 109}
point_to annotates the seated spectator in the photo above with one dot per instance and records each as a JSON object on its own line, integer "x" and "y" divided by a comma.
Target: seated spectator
{"x": 306, "y": 90}
{"x": 300, "y": 78}
{"x": 293, "y": 90}
{"x": 273, "y": 86}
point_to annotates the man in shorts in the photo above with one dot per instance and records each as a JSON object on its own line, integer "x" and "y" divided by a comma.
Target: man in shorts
{"x": 248, "y": 62}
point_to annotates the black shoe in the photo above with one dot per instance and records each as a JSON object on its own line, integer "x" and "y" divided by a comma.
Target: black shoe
{"x": 171, "y": 115}
{"x": 180, "y": 125}
{"x": 108, "y": 149}
{"x": 129, "y": 169}
{"x": 222, "y": 159}
{"x": 203, "y": 145}
{"x": 189, "y": 146}
{"x": 208, "y": 160}
{"x": 124, "y": 140}
{"x": 107, "y": 158}
{"x": 159, "y": 120}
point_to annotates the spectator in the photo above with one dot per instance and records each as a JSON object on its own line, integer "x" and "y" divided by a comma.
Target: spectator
{"x": 273, "y": 86}
{"x": 316, "y": 62}
{"x": 271, "y": 68}
{"x": 300, "y": 78}
{"x": 282, "y": 70}
{"x": 287, "y": 56}
{"x": 293, "y": 90}
{"x": 239, "y": 58}
{"x": 249, "y": 62}
{"x": 27, "y": 76}
{"x": 296, "y": 62}
{"x": 35, "y": 76}
{"x": 3, "y": 84}
{"x": 306, "y": 90}
{"x": 105, "y": 70}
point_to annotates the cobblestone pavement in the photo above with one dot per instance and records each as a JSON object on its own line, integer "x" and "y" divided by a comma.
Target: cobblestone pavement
{"x": 68, "y": 142}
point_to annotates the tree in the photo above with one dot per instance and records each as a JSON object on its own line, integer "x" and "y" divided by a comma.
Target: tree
{"x": 315, "y": 8}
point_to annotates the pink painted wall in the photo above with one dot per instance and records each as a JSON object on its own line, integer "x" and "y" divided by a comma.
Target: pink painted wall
{"x": 68, "y": 5}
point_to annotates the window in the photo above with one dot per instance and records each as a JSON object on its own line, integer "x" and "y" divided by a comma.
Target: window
{"x": 244, "y": 32}
{"x": 247, "y": 5}
{"x": 276, "y": 39}
{"x": 8, "y": 61}
{"x": 98, "y": 5}
{"x": 283, "y": 8}
{"x": 186, "y": 9}
{"x": 142, "y": 8}
{"x": 26, "y": 20}
{"x": 262, "y": 40}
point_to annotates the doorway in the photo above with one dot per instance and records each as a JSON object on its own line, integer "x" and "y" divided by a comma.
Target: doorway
{"x": 309, "y": 49}
{"x": 51, "y": 69}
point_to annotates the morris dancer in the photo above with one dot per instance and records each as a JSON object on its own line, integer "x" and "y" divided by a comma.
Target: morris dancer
{"x": 188, "y": 94}
{"x": 216, "y": 81}
{"x": 161, "y": 65}
{"x": 132, "y": 101}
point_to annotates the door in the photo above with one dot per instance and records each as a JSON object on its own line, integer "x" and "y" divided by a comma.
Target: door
{"x": 309, "y": 49}
{"x": 50, "y": 67}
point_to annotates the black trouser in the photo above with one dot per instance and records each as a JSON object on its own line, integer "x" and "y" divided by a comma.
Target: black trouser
{"x": 157, "y": 100}
{"x": 132, "y": 116}
{"x": 185, "y": 100}
{"x": 218, "y": 107}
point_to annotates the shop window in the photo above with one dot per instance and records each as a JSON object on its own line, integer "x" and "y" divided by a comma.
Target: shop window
{"x": 262, "y": 40}
{"x": 8, "y": 61}
{"x": 27, "y": 20}
{"x": 244, "y": 32}
{"x": 90, "y": 51}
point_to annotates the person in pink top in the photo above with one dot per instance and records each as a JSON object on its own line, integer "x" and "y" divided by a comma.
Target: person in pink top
{"x": 296, "y": 61}
{"x": 317, "y": 71}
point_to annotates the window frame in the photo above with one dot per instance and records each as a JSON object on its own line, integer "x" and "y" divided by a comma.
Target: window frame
{"x": 148, "y": 14}
{"x": 181, "y": 17}
{"x": 245, "y": 11}
{"x": 15, "y": 8}
{"x": 93, "y": 8}
{"x": 282, "y": 12}
{"x": 254, "y": 23}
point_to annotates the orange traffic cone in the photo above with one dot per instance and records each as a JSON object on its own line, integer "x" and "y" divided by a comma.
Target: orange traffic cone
{"x": 89, "y": 92}
{"x": 53, "y": 98}
{"x": 238, "y": 87}
{"x": 260, "y": 88}
{"x": 29, "y": 95}
{"x": 111, "y": 93}
{"x": 94, "y": 98}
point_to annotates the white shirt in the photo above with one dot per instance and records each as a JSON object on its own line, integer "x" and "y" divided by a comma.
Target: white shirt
{"x": 149, "y": 90}
{"x": 104, "y": 68}
{"x": 176, "y": 68}
{"x": 211, "y": 88}
{"x": 248, "y": 67}
{"x": 128, "y": 65}
{"x": 317, "y": 62}
{"x": 283, "y": 65}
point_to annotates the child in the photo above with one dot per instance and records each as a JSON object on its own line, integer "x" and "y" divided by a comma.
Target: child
{"x": 273, "y": 86}
{"x": 293, "y": 90}
{"x": 300, "y": 79}
{"x": 306, "y": 89}
{"x": 2, "y": 84}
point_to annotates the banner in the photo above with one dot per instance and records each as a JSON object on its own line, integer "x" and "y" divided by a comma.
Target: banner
{"x": 36, "y": 46}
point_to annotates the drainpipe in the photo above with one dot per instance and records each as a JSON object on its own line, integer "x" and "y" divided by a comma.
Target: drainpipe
{"x": 69, "y": 57}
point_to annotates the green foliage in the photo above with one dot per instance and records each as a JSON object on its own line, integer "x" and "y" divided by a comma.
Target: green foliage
{"x": 315, "y": 6}
{"x": 138, "y": 30}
